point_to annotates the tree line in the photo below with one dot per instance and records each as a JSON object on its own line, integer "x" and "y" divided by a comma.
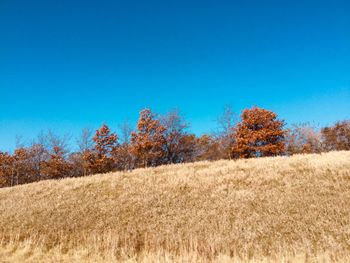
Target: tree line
{"x": 165, "y": 139}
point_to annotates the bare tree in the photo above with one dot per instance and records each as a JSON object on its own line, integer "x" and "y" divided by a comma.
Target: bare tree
{"x": 303, "y": 138}
{"x": 39, "y": 155}
{"x": 177, "y": 149}
{"x": 337, "y": 137}
{"x": 227, "y": 120}
{"x": 122, "y": 156}
{"x": 48, "y": 155}
{"x": 85, "y": 146}
{"x": 55, "y": 141}
{"x": 84, "y": 141}
{"x": 125, "y": 132}
{"x": 226, "y": 123}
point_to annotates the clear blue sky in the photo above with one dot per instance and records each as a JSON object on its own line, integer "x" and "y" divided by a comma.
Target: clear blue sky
{"x": 69, "y": 64}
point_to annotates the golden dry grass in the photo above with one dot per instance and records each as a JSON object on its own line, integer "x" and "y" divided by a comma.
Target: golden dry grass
{"x": 283, "y": 209}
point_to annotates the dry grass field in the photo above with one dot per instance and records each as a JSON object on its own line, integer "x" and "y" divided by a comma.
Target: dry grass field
{"x": 283, "y": 209}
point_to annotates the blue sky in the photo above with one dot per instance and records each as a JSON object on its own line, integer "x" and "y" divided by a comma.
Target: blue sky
{"x": 66, "y": 65}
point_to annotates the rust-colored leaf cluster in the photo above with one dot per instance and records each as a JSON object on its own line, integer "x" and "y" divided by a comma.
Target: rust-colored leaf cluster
{"x": 258, "y": 134}
{"x": 100, "y": 158}
{"x": 148, "y": 141}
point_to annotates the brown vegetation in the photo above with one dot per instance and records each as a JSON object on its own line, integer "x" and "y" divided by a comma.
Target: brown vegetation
{"x": 281, "y": 209}
{"x": 337, "y": 137}
{"x": 147, "y": 143}
{"x": 258, "y": 134}
{"x": 165, "y": 139}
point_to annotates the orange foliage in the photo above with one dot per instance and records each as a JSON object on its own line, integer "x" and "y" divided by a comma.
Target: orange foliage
{"x": 56, "y": 167}
{"x": 6, "y": 169}
{"x": 147, "y": 143}
{"x": 100, "y": 158}
{"x": 259, "y": 133}
{"x": 165, "y": 140}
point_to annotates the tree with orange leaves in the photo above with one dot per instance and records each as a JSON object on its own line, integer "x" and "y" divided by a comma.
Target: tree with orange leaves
{"x": 6, "y": 169}
{"x": 23, "y": 172}
{"x": 148, "y": 142}
{"x": 258, "y": 134}
{"x": 56, "y": 167}
{"x": 100, "y": 157}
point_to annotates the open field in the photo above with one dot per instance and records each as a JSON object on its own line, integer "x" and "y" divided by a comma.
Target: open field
{"x": 283, "y": 209}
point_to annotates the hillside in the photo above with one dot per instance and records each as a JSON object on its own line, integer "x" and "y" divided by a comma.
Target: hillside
{"x": 291, "y": 208}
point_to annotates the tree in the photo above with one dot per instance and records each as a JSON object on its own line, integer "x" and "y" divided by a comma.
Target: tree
{"x": 18, "y": 167}
{"x": 38, "y": 155}
{"x": 125, "y": 132}
{"x": 259, "y": 133}
{"x": 6, "y": 169}
{"x": 337, "y": 137}
{"x": 56, "y": 167}
{"x": 76, "y": 164}
{"x": 207, "y": 147}
{"x": 80, "y": 159}
{"x": 85, "y": 142}
{"x": 22, "y": 169}
{"x": 100, "y": 158}
{"x": 303, "y": 138}
{"x": 123, "y": 158}
{"x": 52, "y": 141}
{"x": 176, "y": 147}
{"x": 26, "y": 163}
{"x": 226, "y": 122}
{"x": 148, "y": 142}
{"x": 188, "y": 147}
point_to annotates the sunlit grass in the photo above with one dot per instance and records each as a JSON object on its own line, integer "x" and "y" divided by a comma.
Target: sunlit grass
{"x": 279, "y": 209}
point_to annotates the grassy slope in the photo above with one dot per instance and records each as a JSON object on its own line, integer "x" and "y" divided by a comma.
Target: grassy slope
{"x": 267, "y": 208}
